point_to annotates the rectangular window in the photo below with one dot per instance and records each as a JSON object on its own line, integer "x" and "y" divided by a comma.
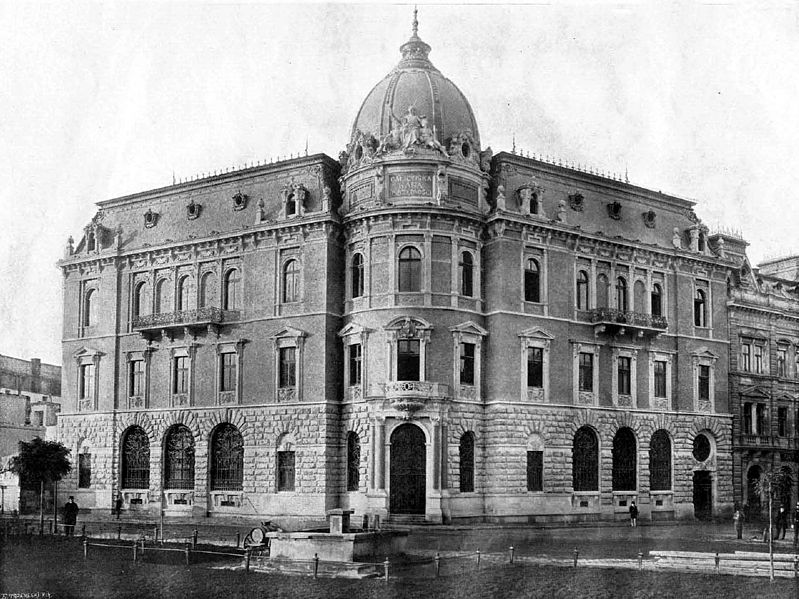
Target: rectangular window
{"x": 782, "y": 358}
{"x": 760, "y": 417}
{"x": 535, "y": 470}
{"x": 87, "y": 381}
{"x": 704, "y": 383}
{"x": 288, "y": 367}
{"x": 181, "y": 374}
{"x": 467, "y": 364}
{"x": 84, "y": 470}
{"x": 782, "y": 422}
{"x": 227, "y": 375}
{"x": 758, "y": 350}
{"x": 660, "y": 378}
{"x": 586, "y": 371}
{"x": 746, "y": 357}
{"x": 624, "y": 375}
{"x": 408, "y": 360}
{"x": 285, "y": 470}
{"x": 747, "y": 419}
{"x": 535, "y": 367}
{"x": 136, "y": 387}
{"x": 356, "y": 361}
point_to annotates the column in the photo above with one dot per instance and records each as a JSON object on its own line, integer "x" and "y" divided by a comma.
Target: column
{"x": 436, "y": 450}
{"x": 381, "y": 454}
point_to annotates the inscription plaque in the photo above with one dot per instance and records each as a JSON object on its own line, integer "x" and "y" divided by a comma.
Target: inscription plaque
{"x": 463, "y": 190}
{"x": 409, "y": 185}
{"x": 363, "y": 191}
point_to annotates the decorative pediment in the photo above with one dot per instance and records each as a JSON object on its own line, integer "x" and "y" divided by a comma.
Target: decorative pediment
{"x": 536, "y": 333}
{"x": 403, "y": 322}
{"x": 753, "y": 334}
{"x": 87, "y": 353}
{"x": 785, "y": 397}
{"x": 704, "y": 353}
{"x": 353, "y": 328}
{"x": 289, "y": 333}
{"x": 469, "y": 328}
{"x": 755, "y": 391}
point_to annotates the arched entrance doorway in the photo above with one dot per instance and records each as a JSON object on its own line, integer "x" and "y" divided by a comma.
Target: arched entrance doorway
{"x": 407, "y": 475}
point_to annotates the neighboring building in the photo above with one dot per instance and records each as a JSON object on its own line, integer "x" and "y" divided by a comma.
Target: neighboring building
{"x": 420, "y": 330}
{"x": 29, "y": 403}
{"x": 764, "y": 374}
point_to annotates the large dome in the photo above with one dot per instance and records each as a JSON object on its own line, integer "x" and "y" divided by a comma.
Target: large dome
{"x": 416, "y": 83}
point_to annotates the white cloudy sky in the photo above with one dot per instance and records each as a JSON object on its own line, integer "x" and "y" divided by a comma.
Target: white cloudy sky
{"x": 100, "y": 100}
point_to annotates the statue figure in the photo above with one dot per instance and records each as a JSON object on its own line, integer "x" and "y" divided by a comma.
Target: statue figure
{"x": 561, "y": 217}
{"x": 260, "y": 213}
{"x": 428, "y": 138}
{"x": 411, "y": 126}
{"x": 441, "y": 192}
{"x": 501, "y": 197}
{"x": 70, "y": 249}
{"x": 676, "y": 240}
{"x": 485, "y": 159}
{"x": 118, "y": 237}
{"x": 720, "y": 248}
{"x": 343, "y": 158}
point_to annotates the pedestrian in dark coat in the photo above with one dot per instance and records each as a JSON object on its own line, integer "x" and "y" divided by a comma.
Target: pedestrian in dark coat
{"x": 118, "y": 505}
{"x": 633, "y": 514}
{"x": 739, "y": 522}
{"x": 70, "y": 516}
{"x": 782, "y": 521}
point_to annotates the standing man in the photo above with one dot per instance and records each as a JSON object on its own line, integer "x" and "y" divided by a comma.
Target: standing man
{"x": 70, "y": 516}
{"x": 782, "y": 521}
{"x": 633, "y": 514}
{"x": 739, "y": 522}
{"x": 118, "y": 504}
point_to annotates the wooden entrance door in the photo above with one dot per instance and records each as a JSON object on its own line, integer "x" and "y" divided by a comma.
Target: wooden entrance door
{"x": 407, "y": 476}
{"x": 703, "y": 495}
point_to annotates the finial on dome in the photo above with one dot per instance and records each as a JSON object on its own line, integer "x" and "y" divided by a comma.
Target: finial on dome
{"x": 415, "y": 31}
{"x": 415, "y": 51}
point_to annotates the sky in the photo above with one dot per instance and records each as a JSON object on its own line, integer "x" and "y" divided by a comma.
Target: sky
{"x": 104, "y": 99}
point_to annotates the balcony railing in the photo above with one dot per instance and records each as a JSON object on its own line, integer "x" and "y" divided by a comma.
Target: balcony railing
{"x": 201, "y": 317}
{"x": 618, "y": 321}
{"x": 409, "y": 396}
{"x": 771, "y": 441}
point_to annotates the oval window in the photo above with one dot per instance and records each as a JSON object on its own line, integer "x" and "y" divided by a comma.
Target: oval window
{"x": 701, "y": 448}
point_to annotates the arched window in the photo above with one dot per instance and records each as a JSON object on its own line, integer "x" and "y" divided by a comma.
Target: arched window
{"x": 160, "y": 296}
{"x": 135, "y": 459}
{"x": 639, "y": 297}
{"x": 466, "y": 453}
{"x": 89, "y": 307}
{"x": 286, "y": 471}
{"x": 624, "y": 460}
{"x": 700, "y": 309}
{"x": 291, "y": 282}
{"x": 467, "y": 274}
{"x": 356, "y": 271}
{"x": 227, "y": 459}
{"x": 602, "y": 289}
{"x": 179, "y": 458}
{"x": 353, "y": 461}
{"x": 582, "y": 290}
{"x": 140, "y": 300}
{"x": 660, "y": 461}
{"x": 585, "y": 460}
{"x": 621, "y": 294}
{"x": 657, "y": 300}
{"x": 206, "y": 298}
{"x": 410, "y": 269}
{"x": 231, "y": 290}
{"x": 532, "y": 281}
{"x": 183, "y": 293}
{"x": 291, "y": 205}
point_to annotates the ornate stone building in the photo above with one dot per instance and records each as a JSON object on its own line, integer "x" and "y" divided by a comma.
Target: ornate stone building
{"x": 420, "y": 330}
{"x": 764, "y": 374}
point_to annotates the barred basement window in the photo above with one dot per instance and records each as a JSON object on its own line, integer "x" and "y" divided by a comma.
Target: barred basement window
{"x": 660, "y": 461}
{"x": 624, "y": 460}
{"x": 353, "y": 461}
{"x": 227, "y": 459}
{"x": 285, "y": 470}
{"x": 84, "y": 470}
{"x": 466, "y": 455}
{"x": 135, "y": 459}
{"x": 179, "y": 459}
{"x": 585, "y": 460}
{"x": 535, "y": 470}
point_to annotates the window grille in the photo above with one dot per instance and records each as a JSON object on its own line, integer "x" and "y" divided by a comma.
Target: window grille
{"x": 227, "y": 459}
{"x": 535, "y": 470}
{"x": 135, "y": 459}
{"x": 585, "y": 461}
{"x": 285, "y": 470}
{"x": 660, "y": 462}
{"x": 624, "y": 461}
{"x": 353, "y": 461}
{"x": 179, "y": 462}
{"x": 466, "y": 467}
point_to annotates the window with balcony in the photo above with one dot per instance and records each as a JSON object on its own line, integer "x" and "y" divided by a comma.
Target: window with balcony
{"x": 230, "y": 295}
{"x": 288, "y": 367}
{"x": 160, "y": 297}
{"x": 408, "y": 360}
{"x": 624, "y": 372}
{"x": 466, "y": 267}
{"x": 410, "y": 270}
{"x": 782, "y": 421}
{"x": 139, "y": 307}
{"x": 582, "y": 291}
{"x": 660, "y": 378}
{"x": 535, "y": 367}
{"x": 657, "y": 300}
{"x": 206, "y": 299}
{"x": 532, "y": 281}
{"x": 602, "y": 291}
{"x": 586, "y": 370}
{"x": 467, "y": 364}
{"x": 356, "y": 274}
{"x": 700, "y": 308}
{"x": 621, "y": 294}
{"x": 761, "y": 422}
{"x": 748, "y": 429}
{"x": 184, "y": 294}
{"x": 227, "y": 372}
